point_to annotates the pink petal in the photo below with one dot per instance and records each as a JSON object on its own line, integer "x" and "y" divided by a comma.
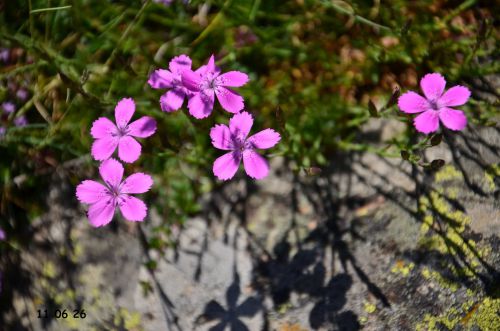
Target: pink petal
{"x": 433, "y": 86}
{"x": 221, "y": 137}
{"x": 161, "y": 79}
{"x": 143, "y": 127}
{"x": 111, "y": 172}
{"x": 226, "y": 165}
{"x": 453, "y": 119}
{"x": 255, "y": 165}
{"x": 240, "y": 124}
{"x": 132, "y": 209}
{"x": 229, "y": 100}
{"x": 103, "y": 148}
{"x": 129, "y": 149}
{"x": 211, "y": 64}
{"x": 137, "y": 183}
{"x": 101, "y": 212}
{"x": 124, "y": 111}
{"x": 201, "y": 105}
{"x": 172, "y": 100}
{"x": 180, "y": 63}
{"x": 411, "y": 103}
{"x": 232, "y": 78}
{"x": 102, "y": 127}
{"x": 191, "y": 80}
{"x": 427, "y": 122}
{"x": 90, "y": 191}
{"x": 265, "y": 139}
{"x": 455, "y": 96}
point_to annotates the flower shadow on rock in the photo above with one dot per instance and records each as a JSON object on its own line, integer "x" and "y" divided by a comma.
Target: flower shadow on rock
{"x": 303, "y": 273}
{"x": 326, "y": 311}
{"x": 230, "y": 316}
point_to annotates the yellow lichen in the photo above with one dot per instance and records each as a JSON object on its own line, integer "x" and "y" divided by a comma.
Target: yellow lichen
{"x": 438, "y": 278}
{"x": 131, "y": 321}
{"x": 448, "y": 172}
{"x": 369, "y": 307}
{"x": 291, "y": 327}
{"x": 490, "y": 174}
{"x": 49, "y": 270}
{"x": 484, "y": 315}
{"x": 401, "y": 268}
{"x": 447, "y": 238}
{"x": 487, "y": 316}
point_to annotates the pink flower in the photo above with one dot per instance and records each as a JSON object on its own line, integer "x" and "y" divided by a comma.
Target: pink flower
{"x": 436, "y": 105}
{"x": 208, "y": 82}
{"x": 171, "y": 79}
{"x": 103, "y": 199}
{"x": 234, "y": 139}
{"x": 108, "y": 135}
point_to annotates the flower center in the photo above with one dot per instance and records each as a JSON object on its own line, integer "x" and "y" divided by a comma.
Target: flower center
{"x": 210, "y": 81}
{"x": 434, "y": 105}
{"x": 241, "y": 144}
{"x": 122, "y": 131}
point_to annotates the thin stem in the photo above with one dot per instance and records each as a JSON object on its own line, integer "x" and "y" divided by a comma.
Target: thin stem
{"x": 355, "y": 16}
{"x": 31, "y": 19}
{"x": 126, "y": 33}
{"x": 255, "y": 8}
{"x": 41, "y": 10}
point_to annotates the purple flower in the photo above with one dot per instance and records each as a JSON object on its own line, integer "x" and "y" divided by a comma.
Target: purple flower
{"x": 2, "y": 131}
{"x": 4, "y": 54}
{"x": 234, "y": 139}
{"x": 436, "y": 105}
{"x": 20, "y": 121}
{"x": 244, "y": 36}
{"x": 164, "y": 2}
{"x": 208, "y": 82}
{"x": 104, "y": 199}
{"x": 171, "y": 79}
{"x": 109, "y": 136}
{"x": 168, "y": 2}
{"x": 22, "y": 94}
{"x": 2, "y": 235}
{"x": 8, "y": 107}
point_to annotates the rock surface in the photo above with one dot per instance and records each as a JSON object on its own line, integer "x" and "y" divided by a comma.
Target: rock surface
{"x": 372, "y": 243}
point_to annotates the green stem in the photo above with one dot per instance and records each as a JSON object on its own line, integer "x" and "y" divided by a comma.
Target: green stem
{"x": 126, "y": 33}
{"x": 356, "y": 17}
{"x": 255, "y": 8}
{"x": 41, "y": 10}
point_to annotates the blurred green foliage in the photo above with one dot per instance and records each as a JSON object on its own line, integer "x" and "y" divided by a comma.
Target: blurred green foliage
{"x": 314, "y": 66}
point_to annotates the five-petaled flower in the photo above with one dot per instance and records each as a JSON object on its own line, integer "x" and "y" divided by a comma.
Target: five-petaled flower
{"x": 208, "y": 82}
{"x": 104, "y": 199}
{"x": 108, "y": 135}
{"x": 436, "y": 104}
{"x": 234, "y": 139}
{"x": 171, "y": 79}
